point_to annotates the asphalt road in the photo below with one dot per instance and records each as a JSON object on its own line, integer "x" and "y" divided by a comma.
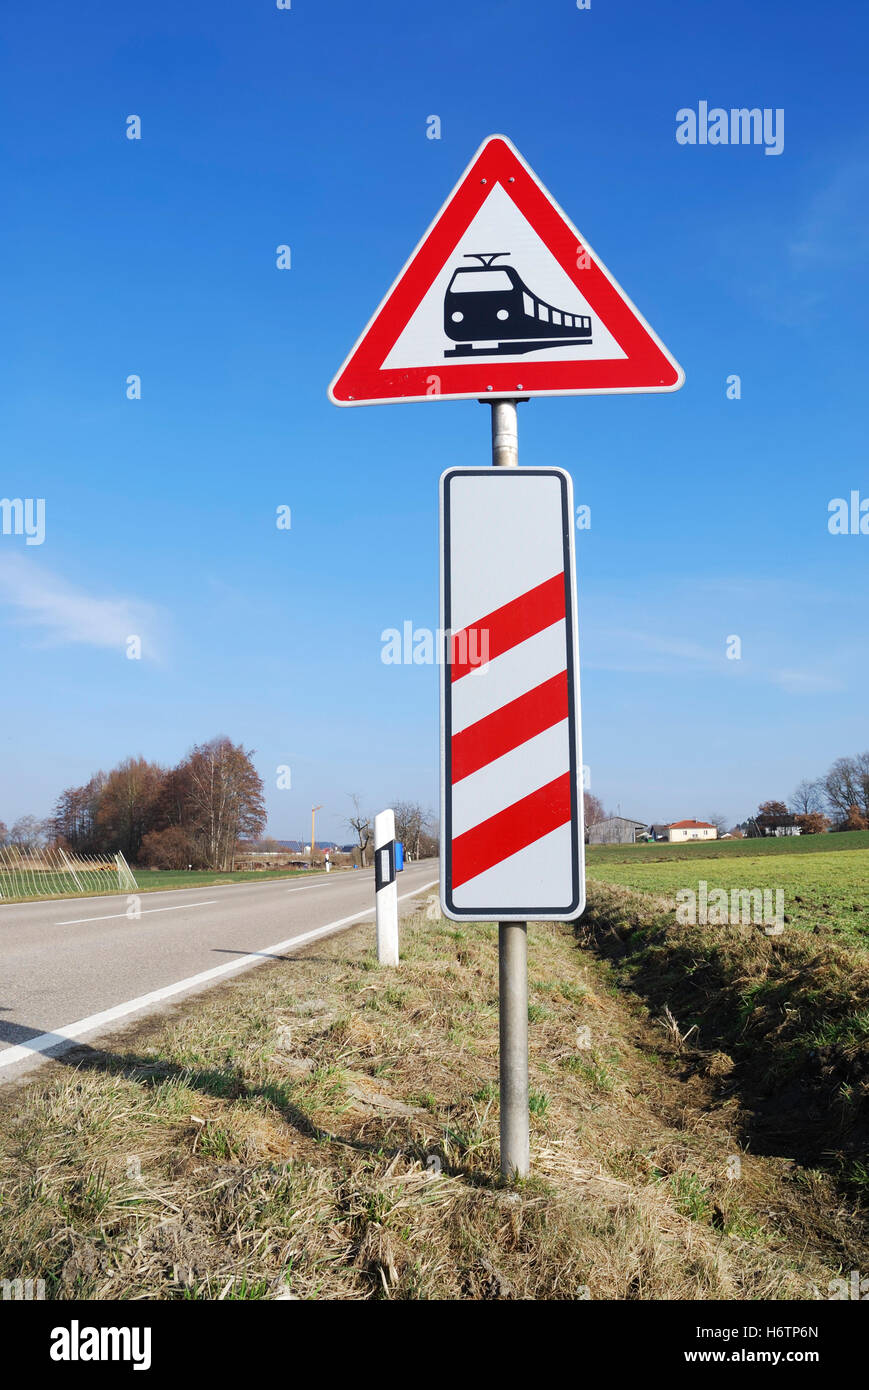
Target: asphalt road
{"x": 78, "y": 968}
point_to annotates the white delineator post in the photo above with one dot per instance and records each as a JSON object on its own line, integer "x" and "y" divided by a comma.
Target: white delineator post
{"x": 512, "y": 936}
{"x": 385, "y": 888}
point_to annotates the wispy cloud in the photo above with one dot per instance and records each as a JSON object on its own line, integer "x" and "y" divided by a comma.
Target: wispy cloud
{"x": 643, "y": 653}
{"x": 686, "y": 653}
{"x": 834, "y": 227}
{"x": 806, "y": 682}
{"x": 781, "y": 256}
{"x": 63, "y": 614}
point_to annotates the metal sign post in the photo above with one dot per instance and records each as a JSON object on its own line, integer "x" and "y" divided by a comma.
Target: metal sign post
{"x": 512, "y": 936}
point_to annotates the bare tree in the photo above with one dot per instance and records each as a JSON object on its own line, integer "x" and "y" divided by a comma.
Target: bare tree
{"x": 74, "y": 822}
{"x": 360, "y": 824}
{"x": 861, "y": 768}
{"x": 842, "y": 787}
{"x": 429, "y": 840}
{"x": 808, "y": 798}
{"x": 128, "y": 805}
{"x": 594, "y": 810}
{"x": 226, "y": 798}
{"x": 720, "y": 822}
{"x": 28, "y": 832}
{"x": 4, "y": 834}
{"x": 410, "y": 823}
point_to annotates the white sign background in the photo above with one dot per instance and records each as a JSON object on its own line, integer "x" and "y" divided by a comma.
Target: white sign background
{"x": 500, "y": 226}
{"x": 504, "y": 531}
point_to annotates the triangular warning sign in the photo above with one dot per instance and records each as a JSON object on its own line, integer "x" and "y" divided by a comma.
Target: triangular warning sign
{"x": 503, "y": 297}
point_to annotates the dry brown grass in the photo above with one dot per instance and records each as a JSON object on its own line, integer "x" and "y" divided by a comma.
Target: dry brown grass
{"x": 282, "y": 1135}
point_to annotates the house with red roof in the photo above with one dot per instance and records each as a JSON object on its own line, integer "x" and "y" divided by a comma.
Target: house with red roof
{"x": 681, "y": 830}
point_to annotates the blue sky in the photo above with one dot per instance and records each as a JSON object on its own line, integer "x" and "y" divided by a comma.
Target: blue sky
{"x": 308, "y": 127}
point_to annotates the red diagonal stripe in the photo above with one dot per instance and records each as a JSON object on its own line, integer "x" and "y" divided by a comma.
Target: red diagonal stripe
{"x": 507, "y": 727}
{"x": 509, "y": 625}
{"x": 510, "y": 830}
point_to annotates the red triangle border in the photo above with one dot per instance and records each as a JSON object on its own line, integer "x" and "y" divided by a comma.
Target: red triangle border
{"x": 647, "y": 366}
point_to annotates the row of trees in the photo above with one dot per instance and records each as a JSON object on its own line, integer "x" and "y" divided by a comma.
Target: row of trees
{"x": 415, "y": 827}
{"x": 194, "y": 813}
{"x": 768, "y": 812}
{"x": 842, "y": 793}
{"x": 27, "y": 833}
{"x": 839, "y": 799}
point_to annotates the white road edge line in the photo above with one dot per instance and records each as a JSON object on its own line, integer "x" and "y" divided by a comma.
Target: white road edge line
{"x": 10, "y": 1055}
{"x": 145, "y": 912}
{"x": 309, "y": 887}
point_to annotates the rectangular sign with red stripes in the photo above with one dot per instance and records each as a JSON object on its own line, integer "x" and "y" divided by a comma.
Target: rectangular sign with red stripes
{"x": 511, "y": 766}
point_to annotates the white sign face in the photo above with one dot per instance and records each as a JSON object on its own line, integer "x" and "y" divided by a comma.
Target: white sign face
{"x": 511, "y": 763}
{"x": 520, "y": 285}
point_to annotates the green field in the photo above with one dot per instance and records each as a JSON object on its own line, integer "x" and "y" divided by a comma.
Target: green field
{"x": 729, "y": 849}
{"x": 824, "y": 878}
{"x": 158, "y": 880}
{"x": 49, "y": 885}
{"x": 148, "y": 881}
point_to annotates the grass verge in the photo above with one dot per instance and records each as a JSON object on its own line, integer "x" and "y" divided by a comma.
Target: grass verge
{"x": 325, "y": 1128}
{"x": 788, "y": 1014}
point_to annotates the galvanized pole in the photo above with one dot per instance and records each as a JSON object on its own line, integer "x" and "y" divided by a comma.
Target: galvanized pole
{"x": 505, "y": 435}
{"x": 314, "y": 810}
{"x": 512, "y": 936}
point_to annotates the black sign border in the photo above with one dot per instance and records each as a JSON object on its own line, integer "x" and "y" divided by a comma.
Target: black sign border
{"x": 574, "y": 909}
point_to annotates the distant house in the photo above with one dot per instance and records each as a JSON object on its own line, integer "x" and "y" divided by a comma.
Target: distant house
{"x": 616, "y": 830}
{"x": 659, "y": 832}
{"x": 681, "y": 830}
{"x": 773, "y": 825}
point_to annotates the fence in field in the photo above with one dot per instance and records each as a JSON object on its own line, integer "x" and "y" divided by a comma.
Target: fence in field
{"x": 52, "y": 873}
